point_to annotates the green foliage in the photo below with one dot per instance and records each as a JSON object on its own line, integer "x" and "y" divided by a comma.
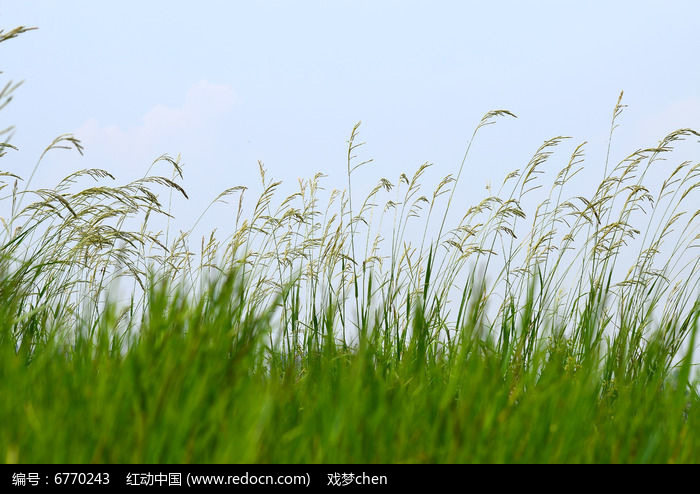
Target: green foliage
{"x": 305, "y": 337}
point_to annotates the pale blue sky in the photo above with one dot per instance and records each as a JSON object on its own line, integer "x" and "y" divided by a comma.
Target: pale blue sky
{"x": 228, "y": 83}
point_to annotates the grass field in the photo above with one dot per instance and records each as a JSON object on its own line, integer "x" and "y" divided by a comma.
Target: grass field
{"x": 323, "y": 328}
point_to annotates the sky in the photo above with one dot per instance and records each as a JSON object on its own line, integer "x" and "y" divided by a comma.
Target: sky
{"x": 228, "y": 83}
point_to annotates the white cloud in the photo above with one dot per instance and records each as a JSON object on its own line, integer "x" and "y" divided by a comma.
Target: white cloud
{"x": 159, "y": 128}
{"x": 682, "y": 114}
{"x": 127, "y": 151}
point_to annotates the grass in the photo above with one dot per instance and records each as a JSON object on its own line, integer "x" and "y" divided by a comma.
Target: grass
{"x": 324, "y": 329}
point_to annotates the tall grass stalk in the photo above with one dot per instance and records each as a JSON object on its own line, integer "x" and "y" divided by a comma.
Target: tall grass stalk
{"x": 562, "y": 333}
